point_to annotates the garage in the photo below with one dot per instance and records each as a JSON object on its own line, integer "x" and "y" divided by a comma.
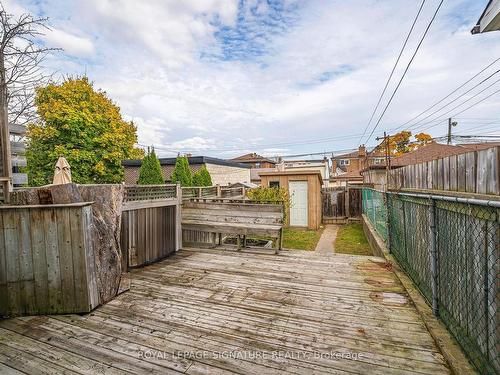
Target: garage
{"x": 304, "y": 189}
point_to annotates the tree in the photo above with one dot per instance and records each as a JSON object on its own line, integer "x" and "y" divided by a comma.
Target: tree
{"x": 20, "y": 73}
{"x": 202, "y": 177}
{"x": 83, "y": 125}
{"x": 400, "y": 143}
{"x": 181, "y": 172}
{"x": 150, "y": 171}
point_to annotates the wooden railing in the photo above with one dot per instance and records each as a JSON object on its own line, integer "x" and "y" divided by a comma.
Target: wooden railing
{"x": 151, "y": 223}
{"x": 207, "y": 192}
{"x": 144, "y": 196}
{"x": 229, "y": 192}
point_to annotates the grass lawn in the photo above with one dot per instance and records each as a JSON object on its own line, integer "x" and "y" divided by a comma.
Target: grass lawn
{"x": 351, "y": 240}
{"x": 301, "y": 239}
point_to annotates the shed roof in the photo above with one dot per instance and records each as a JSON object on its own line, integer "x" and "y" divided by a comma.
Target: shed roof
{"x": 294, "y": 173}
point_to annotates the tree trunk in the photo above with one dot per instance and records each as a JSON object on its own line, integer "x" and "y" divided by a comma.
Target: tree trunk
{"x": 6, "y": 165}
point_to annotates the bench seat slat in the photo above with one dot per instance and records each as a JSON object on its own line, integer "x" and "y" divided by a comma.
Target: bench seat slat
{"x": 236, "y": 228}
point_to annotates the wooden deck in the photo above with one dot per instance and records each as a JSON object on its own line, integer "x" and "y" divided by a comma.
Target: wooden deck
{"x": 217, "y": 311}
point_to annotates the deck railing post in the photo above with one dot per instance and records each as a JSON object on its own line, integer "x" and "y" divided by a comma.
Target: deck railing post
{"x": 219, "y": 191}
{"x": 434, "y": 257}
{"x": 178, "y": 239}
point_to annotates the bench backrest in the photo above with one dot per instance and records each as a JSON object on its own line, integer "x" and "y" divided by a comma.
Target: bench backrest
{"x": 244, "y": 213}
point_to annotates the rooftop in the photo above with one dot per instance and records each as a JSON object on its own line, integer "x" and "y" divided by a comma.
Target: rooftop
{"x": 252, "y": 158}
{"x": 192, "y": 160}
{"x": 188, "y": 313}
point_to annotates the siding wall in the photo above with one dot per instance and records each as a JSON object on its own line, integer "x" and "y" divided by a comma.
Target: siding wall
{"x": 313, "y": 197}
{"x": 223, "y": 175}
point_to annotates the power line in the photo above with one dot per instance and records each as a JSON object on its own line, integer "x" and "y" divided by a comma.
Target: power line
{"x": 451, "y": 93}
{"x": 393, "y": 69}
{"x": 458, "y": 97}
{"x": 406, "y": 69}
{"x": 466, "y": 109}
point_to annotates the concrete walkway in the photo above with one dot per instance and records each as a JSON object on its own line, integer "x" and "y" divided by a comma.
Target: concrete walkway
{"x": 325, "y": 243}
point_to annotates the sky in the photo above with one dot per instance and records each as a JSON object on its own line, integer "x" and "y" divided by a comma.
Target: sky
{"x": 225, "y": 77}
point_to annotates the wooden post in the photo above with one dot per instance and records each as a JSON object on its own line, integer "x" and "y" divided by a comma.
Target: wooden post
{"x": 347, "y": 198}
{"x": 238, "y": 242}
{"x": 178, "y": 219}
{"x": 6, "y": 163}
{"x": 199, "y": 192}
{"x": 219, "y": 191}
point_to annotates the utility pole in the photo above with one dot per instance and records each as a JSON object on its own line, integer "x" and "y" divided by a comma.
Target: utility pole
{"x": 387, "y": 159}
{"x": 450, "y": 125}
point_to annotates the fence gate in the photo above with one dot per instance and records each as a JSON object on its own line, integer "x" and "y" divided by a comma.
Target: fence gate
{"x": 333, "y": 202}
{"x": 355, "y": 202}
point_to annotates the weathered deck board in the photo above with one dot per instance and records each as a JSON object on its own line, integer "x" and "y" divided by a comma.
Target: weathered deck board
{"x": 221, "y": 301}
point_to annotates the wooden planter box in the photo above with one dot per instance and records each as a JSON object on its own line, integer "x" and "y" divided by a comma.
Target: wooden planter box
{"x": 47, "y": 263}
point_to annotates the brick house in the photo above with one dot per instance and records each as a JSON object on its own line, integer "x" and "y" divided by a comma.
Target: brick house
{"x": 346, "y": 168}
{"x": 255, "y": 161}
{"x": 223, "y": 172}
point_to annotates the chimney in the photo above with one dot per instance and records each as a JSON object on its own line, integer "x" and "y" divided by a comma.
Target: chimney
{"x": 334, "y": 166}
{"x": 362, "y": 151}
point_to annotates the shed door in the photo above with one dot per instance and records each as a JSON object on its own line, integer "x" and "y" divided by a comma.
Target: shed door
{"x": 298, "y": 203}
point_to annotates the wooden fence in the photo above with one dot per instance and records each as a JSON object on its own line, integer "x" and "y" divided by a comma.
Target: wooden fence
{"x": 151, "y": 223}
{"x": 47, "y": 263}
{"x": 472, "y": 172}
{"x": 341, "y": 202}
{"x": 191, "y": 192}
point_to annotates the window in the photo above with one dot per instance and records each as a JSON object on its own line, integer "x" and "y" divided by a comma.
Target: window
{"x": 344, "y": 162}
{"x": 378, "y": 160}
{"x": 257, "y": 165}
{"x": 274, "y": 184}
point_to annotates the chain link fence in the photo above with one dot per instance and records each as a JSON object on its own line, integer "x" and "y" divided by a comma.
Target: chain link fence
{"x": 450, "y": 248}
{"x": 375, "y": 208}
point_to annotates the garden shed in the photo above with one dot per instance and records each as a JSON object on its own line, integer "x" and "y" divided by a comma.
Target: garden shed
{"x": 304, "y": 188}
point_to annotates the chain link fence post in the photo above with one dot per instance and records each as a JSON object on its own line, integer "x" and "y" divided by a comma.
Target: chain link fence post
{"x": 387, "y": 201}
{"x": 434, "y": 256}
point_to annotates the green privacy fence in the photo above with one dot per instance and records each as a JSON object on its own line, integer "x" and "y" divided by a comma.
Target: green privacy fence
{"x": 450, "y": 249}
{"x": 375, "y": 208}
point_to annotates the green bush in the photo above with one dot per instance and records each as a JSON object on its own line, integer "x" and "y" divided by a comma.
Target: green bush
{"x": 150, "y": 171}
{"x": 202, "y": 177}
{"x": 270, "y": 195}
{"x": 181, "y": 172}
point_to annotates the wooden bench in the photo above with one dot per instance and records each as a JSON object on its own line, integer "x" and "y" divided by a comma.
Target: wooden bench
{"x": 240, "y": 218}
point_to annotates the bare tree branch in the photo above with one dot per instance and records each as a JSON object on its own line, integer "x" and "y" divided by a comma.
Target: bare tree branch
{"x": 21, "y": 59}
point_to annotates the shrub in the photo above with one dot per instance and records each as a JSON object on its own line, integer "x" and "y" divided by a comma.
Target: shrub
{"x": 150, "y": 171}
{"x": 270, "y": 195}
{"x": 202, "y": 177}
{"x": 181, "y": 172}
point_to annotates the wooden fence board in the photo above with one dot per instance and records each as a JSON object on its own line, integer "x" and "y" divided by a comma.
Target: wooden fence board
{"x": 46, "y": 260}
{"x": 149, "y": 234}
{"x": 472, "y": 172}
{"x": 461, "y": 172}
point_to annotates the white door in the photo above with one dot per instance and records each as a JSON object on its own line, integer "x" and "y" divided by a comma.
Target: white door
{"x": 298, "y": 203}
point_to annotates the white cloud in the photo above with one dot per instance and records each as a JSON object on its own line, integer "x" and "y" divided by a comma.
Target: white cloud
{"x": 315, "y": 73}
{"x": 72, "y": 44}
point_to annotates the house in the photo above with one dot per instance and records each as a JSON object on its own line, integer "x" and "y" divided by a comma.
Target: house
{"x": 255, "y": 174}
{"x": 490, "y": 18}
{"x": 223, "y": 172}
{"x": 320, "y": 165}
{"x": 346, "y": 168}
{"x": 304, "y": 189}
{"x": 254, "y": 161}
{"x": 377, "y": 174}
